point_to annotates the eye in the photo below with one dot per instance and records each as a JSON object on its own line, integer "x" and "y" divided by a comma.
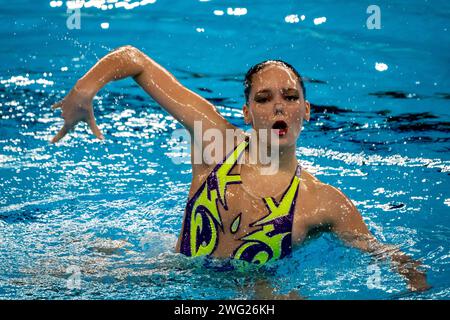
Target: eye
{"x": 261, "y": 99}
{"x": 292, "y": 98}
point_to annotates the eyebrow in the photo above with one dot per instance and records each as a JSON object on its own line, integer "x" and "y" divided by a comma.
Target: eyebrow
{"x": 290, "y": 90}
{"x": 284, "y": 90}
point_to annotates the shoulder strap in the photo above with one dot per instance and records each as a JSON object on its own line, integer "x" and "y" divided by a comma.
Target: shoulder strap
{"x": 298, "y": 172}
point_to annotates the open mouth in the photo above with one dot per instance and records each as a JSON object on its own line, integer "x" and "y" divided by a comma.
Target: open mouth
{"x": 280, "y": 127}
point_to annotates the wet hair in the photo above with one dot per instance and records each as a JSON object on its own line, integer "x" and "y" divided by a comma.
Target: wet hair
{"x": 258, "y": 67}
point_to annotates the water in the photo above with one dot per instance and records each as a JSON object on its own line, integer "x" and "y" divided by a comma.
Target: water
{"x": 84, "y": 219}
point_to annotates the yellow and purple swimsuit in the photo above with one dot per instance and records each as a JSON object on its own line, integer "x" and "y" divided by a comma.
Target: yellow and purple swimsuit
{"x": 203, "y": 224}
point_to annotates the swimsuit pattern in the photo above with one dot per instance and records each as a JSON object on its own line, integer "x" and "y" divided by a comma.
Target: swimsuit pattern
{"x": 203, "y": 223}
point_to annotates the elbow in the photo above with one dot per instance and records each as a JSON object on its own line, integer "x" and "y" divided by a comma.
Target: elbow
{"x": 131, "y": 55}
{"x": 129, "y": 48}
{"x": 130, "y": 52}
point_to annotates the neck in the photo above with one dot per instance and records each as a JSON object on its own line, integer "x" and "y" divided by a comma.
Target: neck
{"x": 288, "y": 159}
{"x": 284, "y": 161}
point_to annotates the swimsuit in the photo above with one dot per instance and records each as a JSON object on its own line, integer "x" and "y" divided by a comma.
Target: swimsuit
{"x": 203, "y": 224}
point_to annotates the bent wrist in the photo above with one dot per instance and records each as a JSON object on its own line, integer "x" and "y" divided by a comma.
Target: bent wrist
{"x": 84, "y": 89}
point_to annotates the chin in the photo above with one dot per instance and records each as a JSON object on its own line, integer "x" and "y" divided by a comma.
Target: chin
{"x": 286, "y": 141}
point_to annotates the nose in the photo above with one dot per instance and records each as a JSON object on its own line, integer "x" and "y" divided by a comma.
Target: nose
{"x": 278, "y": 108}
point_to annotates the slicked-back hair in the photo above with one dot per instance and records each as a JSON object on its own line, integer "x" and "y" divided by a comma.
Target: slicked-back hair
{"x": 258, "y": 67}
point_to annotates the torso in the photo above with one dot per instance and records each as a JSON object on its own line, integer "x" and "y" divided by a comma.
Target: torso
{"x": 244, "y": 226}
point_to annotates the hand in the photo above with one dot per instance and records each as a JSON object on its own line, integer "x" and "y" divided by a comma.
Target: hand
{"x": 264, "y": 291}
{"x": 76, "y": 106}
{"x": 292, "y": 295}
{"x": 417, "y": 281}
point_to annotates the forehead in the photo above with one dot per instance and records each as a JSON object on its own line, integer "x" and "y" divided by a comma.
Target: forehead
{"x": 274, "y": 76}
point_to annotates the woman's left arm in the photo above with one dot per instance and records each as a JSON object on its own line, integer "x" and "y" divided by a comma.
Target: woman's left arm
{"x": 346, "y": 221}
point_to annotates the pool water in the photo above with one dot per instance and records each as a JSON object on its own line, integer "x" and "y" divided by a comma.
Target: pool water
{"x": 98, "y": 220}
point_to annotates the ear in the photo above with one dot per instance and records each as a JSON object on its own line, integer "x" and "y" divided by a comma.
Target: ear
{"x": 307, "y": 110}
{"x": 247, "y": 116}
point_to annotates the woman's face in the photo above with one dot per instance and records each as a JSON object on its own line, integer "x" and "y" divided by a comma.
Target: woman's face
{"x": 276, "y": 103}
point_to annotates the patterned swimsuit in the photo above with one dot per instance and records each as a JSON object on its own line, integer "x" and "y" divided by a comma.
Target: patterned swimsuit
{"x": 203, "y": 224}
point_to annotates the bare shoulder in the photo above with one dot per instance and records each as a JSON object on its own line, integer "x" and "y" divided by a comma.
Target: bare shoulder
{"x": 322, "y": 206}
{"x": 311, "y": 185}
{"x": 310, "y": 196}
{"x": 333, "y": 206}
{"x": 320, "y": 189}
{"x": 321, "y": 202}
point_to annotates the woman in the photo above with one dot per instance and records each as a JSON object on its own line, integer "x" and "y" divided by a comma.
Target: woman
{"x": 235, "y": 209}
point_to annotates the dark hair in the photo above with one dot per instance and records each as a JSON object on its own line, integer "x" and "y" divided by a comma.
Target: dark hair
{"x": 258, "y": 67}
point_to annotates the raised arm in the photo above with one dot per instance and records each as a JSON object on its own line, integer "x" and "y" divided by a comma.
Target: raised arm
{"x": 183, "y": 104}
{"x": 347, "y": 223}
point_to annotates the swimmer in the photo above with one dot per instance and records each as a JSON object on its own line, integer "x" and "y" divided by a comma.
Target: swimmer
{"x": 235, "y": 209}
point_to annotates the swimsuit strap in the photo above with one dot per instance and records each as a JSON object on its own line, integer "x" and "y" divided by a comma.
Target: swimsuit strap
{"x": 298, "y": 172}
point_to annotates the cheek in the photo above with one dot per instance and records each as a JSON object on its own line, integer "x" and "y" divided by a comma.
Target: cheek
{"x": 260, "y": 116}
{"x": 296, "y": 115}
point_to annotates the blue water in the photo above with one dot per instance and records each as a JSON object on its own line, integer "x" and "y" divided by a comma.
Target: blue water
{"x": 91, "y": 220}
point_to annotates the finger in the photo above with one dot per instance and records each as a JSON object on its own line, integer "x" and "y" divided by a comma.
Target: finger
{"x": 95, "y": 129}
{"x": 60, "y": 134}
{"x": 57, "y": 105}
